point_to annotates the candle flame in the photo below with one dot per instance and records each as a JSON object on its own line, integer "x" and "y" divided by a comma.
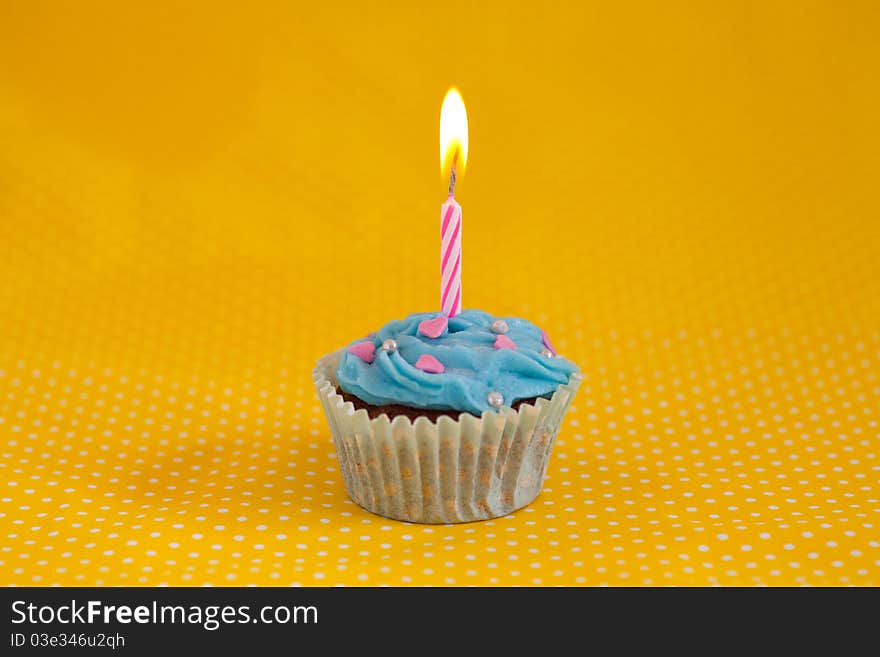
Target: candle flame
{"x": 453, "y": 134}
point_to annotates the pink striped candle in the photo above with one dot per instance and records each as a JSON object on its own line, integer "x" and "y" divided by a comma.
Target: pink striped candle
{"x": 453, "y": 153}
{"x": 450, "y": 257}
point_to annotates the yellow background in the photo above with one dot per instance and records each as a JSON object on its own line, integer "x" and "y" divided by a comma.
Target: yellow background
{"x": 198, "y": 201}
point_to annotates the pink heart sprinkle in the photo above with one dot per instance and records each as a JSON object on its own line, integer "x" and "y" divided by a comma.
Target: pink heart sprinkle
{"x": 365, "y": 350}
{"x": 432, "y": 328}
{"x": 547, "y": 343}
{"x": 503, "y": 342}
{"x": 427, "y": 363}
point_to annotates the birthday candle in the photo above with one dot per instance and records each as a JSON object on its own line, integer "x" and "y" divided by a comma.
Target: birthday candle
{"x": 453, "y": 155}
{"x": 450, "y": 257}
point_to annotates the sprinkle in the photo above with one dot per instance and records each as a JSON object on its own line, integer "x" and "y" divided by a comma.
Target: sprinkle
{"x": 389, "y": 345}
{"x": 547, "y": 343}
{"x": 500, "y": 326}
{"x": 427, "y": 363}
{"x": 495, "y": 399}
{"x": 503, "y": 342}
{"x": 365, "y": 350}
{"x": 433, "y": 328}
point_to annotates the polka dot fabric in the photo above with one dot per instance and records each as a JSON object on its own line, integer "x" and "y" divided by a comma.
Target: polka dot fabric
{"x": 703, "y": 476}
{"x": 695, "y": 227}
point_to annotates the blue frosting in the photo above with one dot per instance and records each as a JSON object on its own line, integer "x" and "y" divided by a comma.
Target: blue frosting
{"x": 474, "y": 368}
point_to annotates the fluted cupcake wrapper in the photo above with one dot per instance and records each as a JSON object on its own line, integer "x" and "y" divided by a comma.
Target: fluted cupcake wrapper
{"x": 451, "y": 470}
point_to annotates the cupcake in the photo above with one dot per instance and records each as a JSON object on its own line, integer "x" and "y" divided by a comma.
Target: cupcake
{"x": 442, "y": 419}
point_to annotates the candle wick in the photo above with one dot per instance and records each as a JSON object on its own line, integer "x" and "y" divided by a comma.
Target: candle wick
{"x": 452, "y": 181}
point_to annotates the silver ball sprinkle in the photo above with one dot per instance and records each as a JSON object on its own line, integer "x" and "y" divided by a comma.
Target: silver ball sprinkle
{"x": 389, "y": 345}
{"x": 547, "y": 353}
{"x": 500, "y": 326}
{"x": 495, "y": 399}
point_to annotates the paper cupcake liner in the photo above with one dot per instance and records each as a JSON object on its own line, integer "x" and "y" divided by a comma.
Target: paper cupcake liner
{"x": 448, "y": 471}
